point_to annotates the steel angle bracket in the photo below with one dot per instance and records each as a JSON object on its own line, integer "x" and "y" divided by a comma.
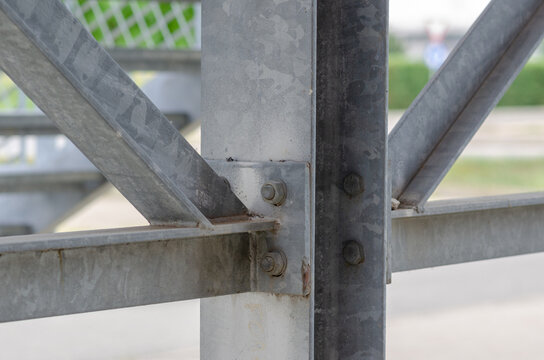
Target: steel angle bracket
{"x": 293, "y": 215}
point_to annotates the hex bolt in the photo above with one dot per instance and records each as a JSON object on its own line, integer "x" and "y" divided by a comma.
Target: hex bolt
{"x": 274, "y": 263}
{"x": 353, "y": 253}
{"x": 274, "y": 192}
{"x": 354, "y": 184}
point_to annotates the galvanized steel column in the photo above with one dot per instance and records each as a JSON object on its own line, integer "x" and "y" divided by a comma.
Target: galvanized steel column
{"x": 259, "y": 64}
{"x": 258, "y": 105}
{"x": 351, "y": 194}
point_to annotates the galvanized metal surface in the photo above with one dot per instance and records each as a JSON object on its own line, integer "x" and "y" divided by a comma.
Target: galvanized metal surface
{"x": 79, "y": 86}
{"x": 351, "y": 143}
{"x": 260, "y": 57}
{"x": 450, "y": 109}
{"x": 293, "y": 234}
{"x": 157, "y": 59}
{"x": 35, "y": 123}
{"x": 453, "y": 206}
{"x": 37, "y": 181}
{"x": 12, "y": 230}
{"x": 110, "y": 237}
{"x": 298, "y": 90}
{"x": 451, "y": 233}
{"x": 258, "y": 94}
{"x": 67, "y": 281}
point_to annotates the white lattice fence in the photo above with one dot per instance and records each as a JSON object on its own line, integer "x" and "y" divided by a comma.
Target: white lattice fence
{"x": 128, "y": 24}
{"x": 139, "y": 24}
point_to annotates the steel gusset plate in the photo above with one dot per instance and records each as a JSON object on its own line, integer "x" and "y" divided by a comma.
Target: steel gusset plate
{"x": 294, "y": 232}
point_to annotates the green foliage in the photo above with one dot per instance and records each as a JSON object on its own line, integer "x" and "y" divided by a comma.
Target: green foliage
{"x": 407, "y": 78}
{"x": 528, "y": 88}
{"x": 395, "y": 45}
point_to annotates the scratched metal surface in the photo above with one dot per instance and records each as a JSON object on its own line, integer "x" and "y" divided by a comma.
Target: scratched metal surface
{"x": 293, "y": 234}
{"x": 58, "y": 64}
{"x": 258, "y": 105}
{"x": 48, "y": 283}
{"x": 351, "y": 138}
{"x": 258, "y": 70}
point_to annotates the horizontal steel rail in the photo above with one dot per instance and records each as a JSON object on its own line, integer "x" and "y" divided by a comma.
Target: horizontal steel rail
{"x": 26, "y": 123}
{"x": 108, "y": 237}
{"x": 77, "y": 84}
{"x": 12, "y": 230}
{"x": 464, "y": 230}
{"x": 48, "y": 180}
{"x": 445, "y": 116}
{"x": 48, "y": 275}
{"x": 156, "y": 59}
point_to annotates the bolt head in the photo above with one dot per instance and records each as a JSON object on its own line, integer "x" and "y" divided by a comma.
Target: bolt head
{"x": 274, "y": 192}
{"x": 274, "y": 263}
{"x": 268, "y": 192}
{"x": 353, "y": 253}
{"x": 354, "y": 184}
{"x": 267, "y": 263}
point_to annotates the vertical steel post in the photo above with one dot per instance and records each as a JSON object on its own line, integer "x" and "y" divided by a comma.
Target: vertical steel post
{"x": 351, "y": 193}
{"x": 258, "y": 104}
{"x": 260, "y": 63}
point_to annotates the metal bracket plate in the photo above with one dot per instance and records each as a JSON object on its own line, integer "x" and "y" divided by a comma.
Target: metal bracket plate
{"x": 294, "y": 233}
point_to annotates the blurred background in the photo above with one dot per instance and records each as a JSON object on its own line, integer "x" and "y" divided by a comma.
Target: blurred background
{"x": 482, "y": 310}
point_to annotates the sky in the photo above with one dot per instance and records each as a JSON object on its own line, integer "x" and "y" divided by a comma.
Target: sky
{"x": 413, "y": 15}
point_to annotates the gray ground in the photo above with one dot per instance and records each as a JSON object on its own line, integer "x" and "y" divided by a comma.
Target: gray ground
{"x": 483, "y": 310}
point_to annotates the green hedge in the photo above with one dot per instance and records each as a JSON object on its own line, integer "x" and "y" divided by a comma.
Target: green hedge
{"x": 406, "y": 79}
{"x": 528, "y": 88}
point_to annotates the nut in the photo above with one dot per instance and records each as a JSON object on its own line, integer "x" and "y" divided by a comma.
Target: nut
{"x": 274, "y": 263}
{"x": 274, "y": 192}
{"x": 353, "y": 253}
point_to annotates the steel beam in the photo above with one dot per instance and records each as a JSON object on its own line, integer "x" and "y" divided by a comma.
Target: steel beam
{"x": 445, "y": 116}
{"x": 463, "y": 230}
{"x": 35, "y": 123}
{"x": 48, "y": 275}
{"x": 351, "y": 193}
{"x": 38, "y": 181}
{"x": 58, "y": 64}
{"x": 156, "y": 59}
{"x": 11, "y": 230}
{"x": 43, "y": 210}
{"x": 43, "y": 207}
{"x": 110, "y": 237}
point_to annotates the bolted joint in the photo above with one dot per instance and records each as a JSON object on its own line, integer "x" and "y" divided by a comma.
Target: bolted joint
{"x": 354, "y": 184}
{"x": 353, "y": 253}
{"x": 274, "y": 263}
{"x": 274, "y": 192}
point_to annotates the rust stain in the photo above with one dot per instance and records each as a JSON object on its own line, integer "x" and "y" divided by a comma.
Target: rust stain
{"x": 306, "y": 278}
{"x": 61, "y": 266}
